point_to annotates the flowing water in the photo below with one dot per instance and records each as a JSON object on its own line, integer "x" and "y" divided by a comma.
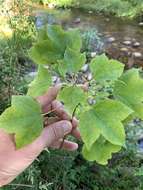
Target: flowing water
{"x": 123, "y": 39}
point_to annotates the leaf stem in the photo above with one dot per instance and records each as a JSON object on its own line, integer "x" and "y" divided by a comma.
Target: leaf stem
{"x": 73, "y": 114}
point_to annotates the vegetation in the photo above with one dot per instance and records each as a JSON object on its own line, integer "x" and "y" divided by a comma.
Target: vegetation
{"x": 124, "y": 170}
{"x": 17, "y": 35}
{"x": 120, "y": 8}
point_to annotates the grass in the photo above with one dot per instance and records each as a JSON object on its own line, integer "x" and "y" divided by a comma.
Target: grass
{"x": 119, "y": 8}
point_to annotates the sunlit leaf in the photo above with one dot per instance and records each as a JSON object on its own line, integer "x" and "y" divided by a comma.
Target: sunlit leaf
{"x": 101, "y": 151}
{"x": 129, "y": 90}
{"x": 104, "y": 69}
{"x": 105, "y": 119}
{"x": 72, "y": 96}
{"x": 41, "y": 83}
{"x": 72, "y": 62}
{"x": 23, "y": 119}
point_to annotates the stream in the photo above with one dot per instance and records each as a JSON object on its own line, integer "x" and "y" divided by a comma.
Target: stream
{"x": 122, "y": 39}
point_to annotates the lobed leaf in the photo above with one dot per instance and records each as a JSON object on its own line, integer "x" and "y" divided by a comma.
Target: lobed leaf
{"x": 101, "y": 151}
{"x": 23, "y": 119}
{"x": 72, "y": 96}
{"x": 129, "y": 90}
{"x": 104, "y": 69}
{"x": 72, "y": 62}
{"x": 41, "y": 83}
{"x": 105, "y": 119}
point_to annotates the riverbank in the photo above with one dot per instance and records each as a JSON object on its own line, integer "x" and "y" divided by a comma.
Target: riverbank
{"x": 120, "y": 8}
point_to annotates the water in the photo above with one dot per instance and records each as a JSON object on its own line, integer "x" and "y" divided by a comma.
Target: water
{"x": 114, "y": 32}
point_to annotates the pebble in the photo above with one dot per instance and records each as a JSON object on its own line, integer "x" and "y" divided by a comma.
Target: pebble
{"x": 107, "y": 19}
{"x": 137, "y": 55}
{"x": 85, "y": 68}
{"x": 141, "y": 24}
{"x": 89, "y": 77}
{"x": 124, "y": 49}
{"x": 127, "y": 43}
{"x": 51, "y": 5}
{"x": 136, "y": 44}
{"x": 91, "y": 101}
{"x": 32, "y": 74}
{"x": 93, "y": 54}
{"x": 54, "y": 78}
{"x": 77, "y": 21}
{"x": 111, "y": 39}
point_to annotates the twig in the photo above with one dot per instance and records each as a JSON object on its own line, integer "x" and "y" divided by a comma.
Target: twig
{"x": 73, "y": 114}
{"x": 20, "y": 185}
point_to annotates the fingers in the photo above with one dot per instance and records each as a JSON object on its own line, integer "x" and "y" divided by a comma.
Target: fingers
{"x": 47, "y": 99}
{"x": 67, "y": 145}
{"x": 6, "y": 139}
{"x": 49, "y": 135}
{"x": 76, "y": 133}
{"x": 60, "y": 111}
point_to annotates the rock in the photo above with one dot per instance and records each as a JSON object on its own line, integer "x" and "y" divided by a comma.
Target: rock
{"x": 93, "y": 54}
{"x": 56, "y": 80}
{"x": 90, "y": 12}
{"x": 91, "y": 101}
{"x": 85, "y": 68}
{"x": 137, "y": 55}
{"x": 136, "y": 44}
{"x": 51, "y": 5}
{"x": 127, "y": 43}
{"x": 107, "y": 19}
{"x": 124, "y": 49}
{"x": 89, "y": 76}
{"x": 32, "y": 74}
{"x": 111, "y": 39}
{"x": 77, "y": 21}
{"x": 141, "y": 24}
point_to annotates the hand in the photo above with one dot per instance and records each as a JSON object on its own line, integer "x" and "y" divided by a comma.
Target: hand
{"x": 13, "y": 162}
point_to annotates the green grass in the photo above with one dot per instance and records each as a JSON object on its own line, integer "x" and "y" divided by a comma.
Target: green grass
{"x": 120, "y": 8}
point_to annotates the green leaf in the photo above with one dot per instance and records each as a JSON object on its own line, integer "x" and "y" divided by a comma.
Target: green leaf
{"x": 42, "y": 33}
{"x": 41, "y": 83}
{"x": 71, "y": 96}
{"x": 73, "y": 39}
{"x": 104, "y": 69}
{"x": 72, "y": 62}
{"x": 52, "y": 43}
{"x": 45, "y": 52}
{"x": 104, "y": 119}
{"x": 23, "y": 119}
{"x": 58, "y": 37}
{"x": 129, "y": 90}
{"x": 101, "y": 151}
{"x": 89, "y": 127}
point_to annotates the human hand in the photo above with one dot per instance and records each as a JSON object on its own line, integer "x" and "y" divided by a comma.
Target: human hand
{"x": 13, "y": 162}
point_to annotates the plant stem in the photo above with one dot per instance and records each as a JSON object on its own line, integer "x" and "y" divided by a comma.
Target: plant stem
{"x": 73, "y": 114}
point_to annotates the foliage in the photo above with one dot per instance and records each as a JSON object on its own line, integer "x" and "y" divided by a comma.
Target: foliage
{"x": 58, "y": 169}
{"x": 120, "y": 8}
{"x": 92, "y": 42}
{"x": 57, "y": 48}
{"x": 14, "y": 62}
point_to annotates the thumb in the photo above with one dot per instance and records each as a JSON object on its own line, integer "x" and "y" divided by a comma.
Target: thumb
{"x": 55, "y": 132}
{"x": 49, "y": 135}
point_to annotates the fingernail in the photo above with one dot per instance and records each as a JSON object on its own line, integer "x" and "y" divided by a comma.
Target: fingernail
{"x": 67, "y": 127}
